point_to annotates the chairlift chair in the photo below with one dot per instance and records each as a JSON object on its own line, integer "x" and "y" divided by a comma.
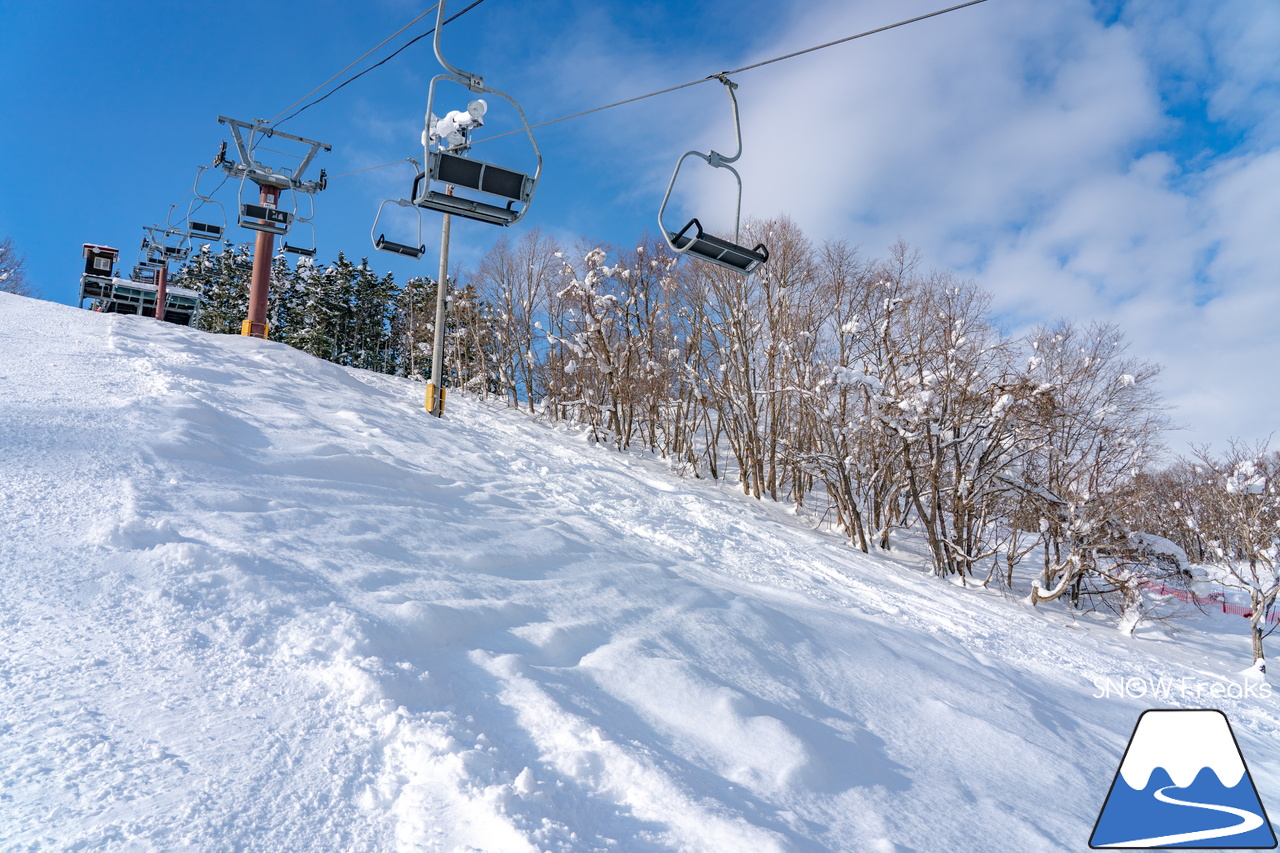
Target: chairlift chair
{"x": 413, "y": 250}
{"x": 143, "y": 273}
{"x": 447, "y": 167}
{"x": 205, "y": 230}
{"x": 383, "y": 244}
{"x": 161, "y": 245}
{"x": 308, "y": 250}
{"x": 260, "y": 217}
{"x": 692, "y": 239}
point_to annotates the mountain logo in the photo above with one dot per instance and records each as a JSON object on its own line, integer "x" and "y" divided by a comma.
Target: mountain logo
{"x": 1183, "y": 784}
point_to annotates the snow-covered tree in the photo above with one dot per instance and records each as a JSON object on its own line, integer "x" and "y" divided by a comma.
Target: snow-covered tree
{"x": 1235, "y": 511}
{"x": 222, "y": 280}
{"x": 1099, "y": 418}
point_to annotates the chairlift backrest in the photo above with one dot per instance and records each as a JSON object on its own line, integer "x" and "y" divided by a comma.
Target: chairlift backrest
{"x": 725, "y": 253}
{"x": 446, "y": 167}
{"x": 261, "y": 217}
{"x": 205, "y": 229}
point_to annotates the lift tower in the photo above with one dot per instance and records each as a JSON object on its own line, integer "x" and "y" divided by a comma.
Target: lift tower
{"x": 266, "y": 217}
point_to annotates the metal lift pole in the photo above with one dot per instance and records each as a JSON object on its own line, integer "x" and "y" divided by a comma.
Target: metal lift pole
{"x": 255, "y": 325}
{"x": 435, "y": 388}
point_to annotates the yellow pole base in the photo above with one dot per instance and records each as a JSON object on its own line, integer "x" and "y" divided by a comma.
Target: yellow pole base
{"x": 246, "y": 329}
{"x": 431, "y": 399}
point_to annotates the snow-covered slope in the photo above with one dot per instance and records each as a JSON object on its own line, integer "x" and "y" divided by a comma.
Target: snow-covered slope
{"x": 252, "y": 600}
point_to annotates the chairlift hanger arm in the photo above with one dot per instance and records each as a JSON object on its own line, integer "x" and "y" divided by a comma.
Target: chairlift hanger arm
{"x": 472, "y": 81}
{"x": 713, "y": 158}
{"x": 737, "y": 217}
{"x": 381, "y": 243}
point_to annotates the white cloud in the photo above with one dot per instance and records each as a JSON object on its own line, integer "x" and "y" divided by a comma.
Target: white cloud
{"x": 1031, "y": 146}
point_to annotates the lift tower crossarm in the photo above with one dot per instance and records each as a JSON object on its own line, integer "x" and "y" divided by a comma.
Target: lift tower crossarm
{"x": 263, "y": 175}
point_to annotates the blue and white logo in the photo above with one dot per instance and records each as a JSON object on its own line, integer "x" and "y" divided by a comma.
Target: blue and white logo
{"x": 1183, "y": 783}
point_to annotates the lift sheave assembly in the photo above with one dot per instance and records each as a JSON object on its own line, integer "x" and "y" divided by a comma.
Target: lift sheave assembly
{"x": 692, "y": 239}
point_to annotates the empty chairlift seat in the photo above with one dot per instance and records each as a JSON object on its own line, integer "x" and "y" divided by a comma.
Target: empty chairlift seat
{"x": 711, "y": 248}
{"x": 385, "y": 245}
{"x": 692, "y": 239}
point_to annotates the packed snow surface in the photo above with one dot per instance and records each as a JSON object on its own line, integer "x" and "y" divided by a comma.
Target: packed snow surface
{"x": 255, "y": 601}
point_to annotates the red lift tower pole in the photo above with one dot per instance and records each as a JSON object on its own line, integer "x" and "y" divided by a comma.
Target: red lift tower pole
{"x": 162, "y": 283}
{"x": 255, "y": 325}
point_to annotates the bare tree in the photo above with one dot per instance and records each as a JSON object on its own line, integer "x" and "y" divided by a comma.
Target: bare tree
{"x": 516, "y": 282}
{"x": 1099, "y": 418}
{"x": 1236, "y": 510}
{"x": 13, "y": 274}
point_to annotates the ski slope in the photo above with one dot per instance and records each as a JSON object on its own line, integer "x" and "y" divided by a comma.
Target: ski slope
{"x": 252, "y": 600}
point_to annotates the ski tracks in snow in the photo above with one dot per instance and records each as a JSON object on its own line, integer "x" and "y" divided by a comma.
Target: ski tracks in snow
{"x": 284, "y": 609}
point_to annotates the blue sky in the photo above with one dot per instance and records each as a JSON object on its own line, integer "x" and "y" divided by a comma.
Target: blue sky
{"x": 1098, "y": 161}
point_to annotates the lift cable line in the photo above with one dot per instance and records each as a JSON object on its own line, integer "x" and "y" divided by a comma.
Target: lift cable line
{"x": 753, "y": 66}
{"x": 716, "y": 76}
{"x": 383, "y": 61}
{"x": 278, "y": 120}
